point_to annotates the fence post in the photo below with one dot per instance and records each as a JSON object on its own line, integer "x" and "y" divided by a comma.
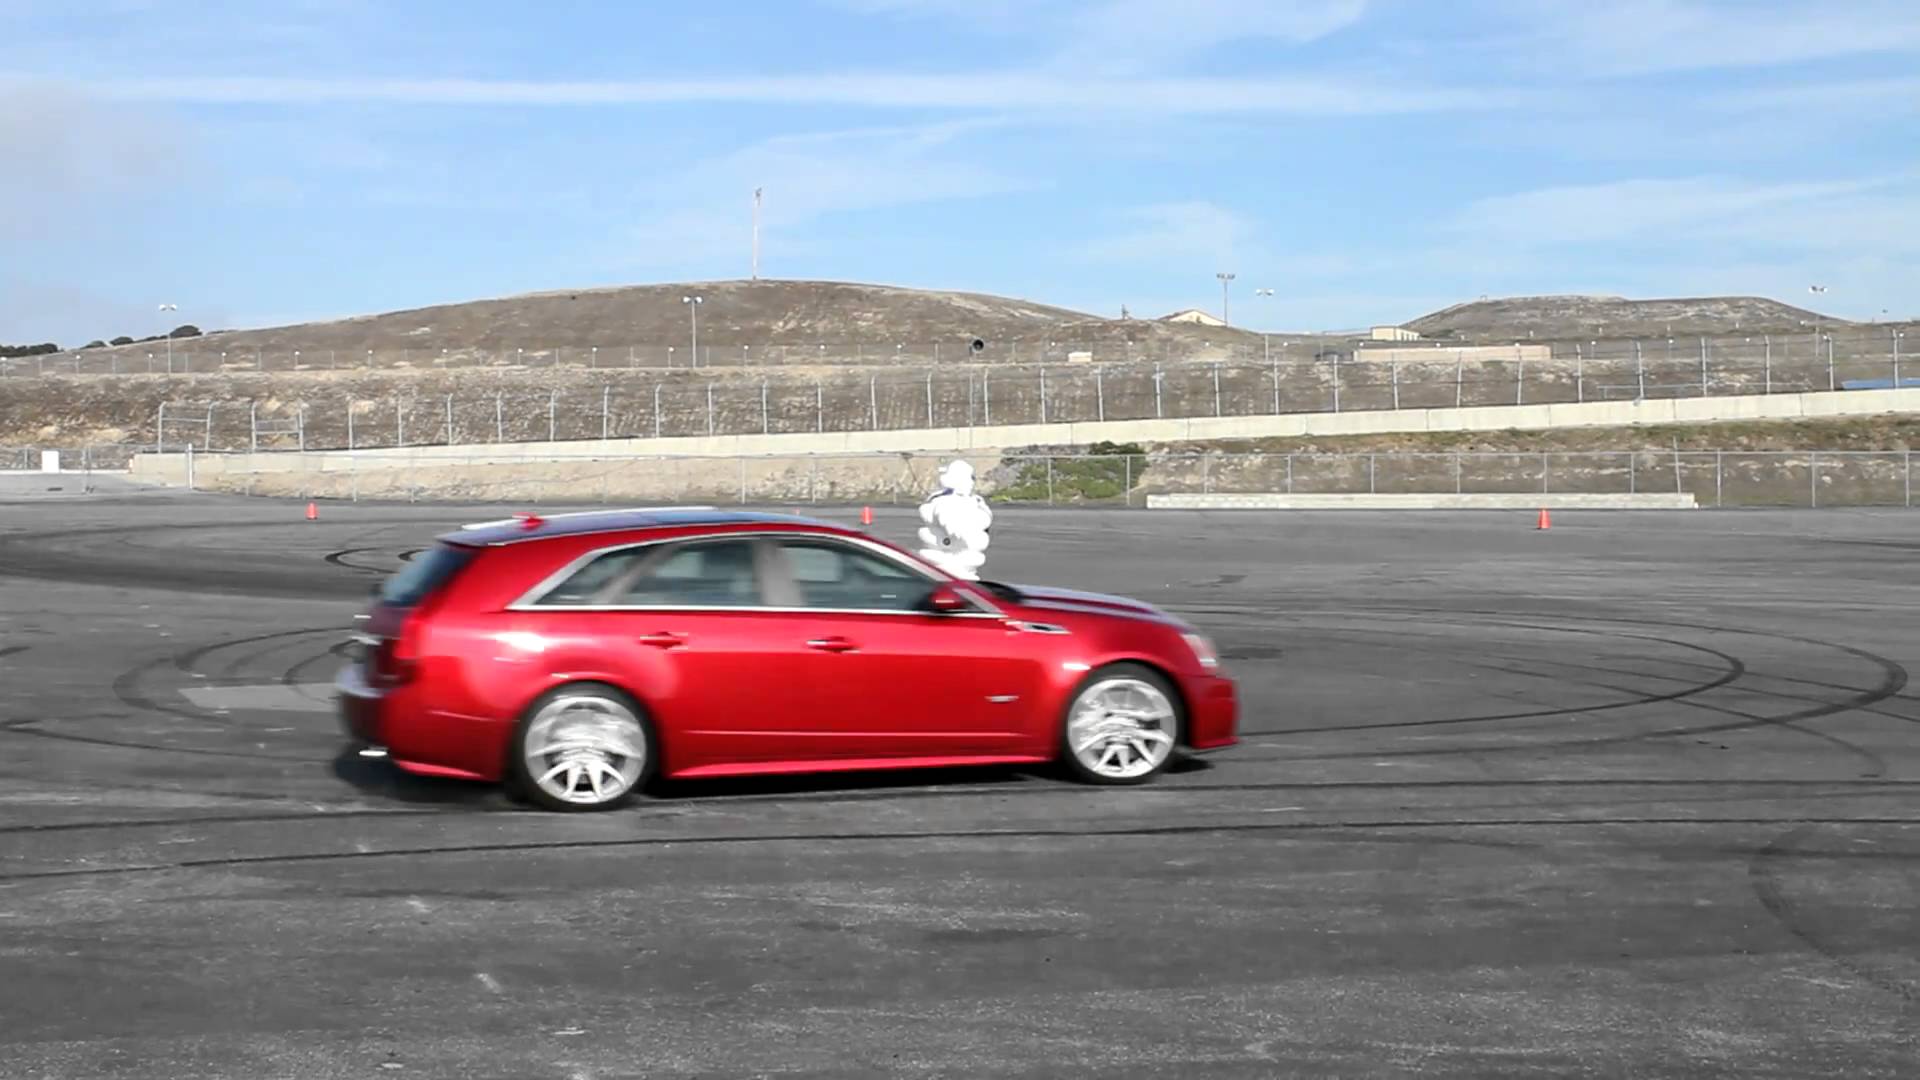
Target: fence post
{"x": 929, "y": 399}
{"x": 1216, "y": 390}
{"x": 189, "y": 465}
{"x": 1206, "y": 475}
{"x": 1336, "y": 382}
{"x": 766, "y": 420}
{"x": 1457, "y": 470}
{"x": 1158, "y": 411}
{"x": 1909, "y": 501}
{"x": 606, "y": 412}
{"x": 349, "y": 423}
{"x": 499, "y": 419}
{"x": 449, "y": 419}
{"x": 1768, "y": 362}
{"x": 1393, "y": 373}
{"x": 1703, "y": 366}
{"x": 253, "y": 423}
{"x": 553, "y": 412}
{"x": 1640, "y": 370}
{"x": 1276, "y": 388}
{"x": 1519, "y": 377}
{"x": 1459, "y": 380}
{"x": 1816, "y": 350}
{"x": 873, "y": 402}
{"x": 1813, "y": 479}
{"x": 1100, "y": 394}
{"x": 819, "y": 408}
{"x": 1049, "y": 479}
{"x": 1633, "y": 472}
{"x": 160, "y": 430}
{"x": 1289, "y": 472}
{"x": 1372, "y": 466}
{"x": 399, "y": 422}
{"x": 986, "y": 397}
{"x": 1545, "y": 485}
{"x": 1719, "y": 473}
{"x": 709, "y": 408}
{"x": 1579, "y": 374}
{"x": 1043, "y": 411}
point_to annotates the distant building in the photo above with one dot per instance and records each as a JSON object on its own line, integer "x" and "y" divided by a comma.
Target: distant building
{"x": 1394, "y": 333}
{"x": 1193, "y": 315}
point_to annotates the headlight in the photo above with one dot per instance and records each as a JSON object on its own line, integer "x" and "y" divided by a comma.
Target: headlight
{"x": 1202, "y": 650}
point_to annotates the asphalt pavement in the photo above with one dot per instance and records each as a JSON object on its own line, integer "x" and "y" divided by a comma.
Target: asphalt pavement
{"x": 1637, "y": 795}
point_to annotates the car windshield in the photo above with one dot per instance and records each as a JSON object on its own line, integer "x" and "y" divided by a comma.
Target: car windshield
{"x": 428, "y": 572}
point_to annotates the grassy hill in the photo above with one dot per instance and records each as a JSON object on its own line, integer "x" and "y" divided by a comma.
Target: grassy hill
{"x": 1572, "y": 317}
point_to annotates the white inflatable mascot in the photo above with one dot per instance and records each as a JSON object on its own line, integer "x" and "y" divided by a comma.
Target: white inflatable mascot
{"x": 957, "y": 524}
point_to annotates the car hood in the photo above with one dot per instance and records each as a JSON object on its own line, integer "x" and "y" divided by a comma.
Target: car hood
{"x": 1045, "y": 598}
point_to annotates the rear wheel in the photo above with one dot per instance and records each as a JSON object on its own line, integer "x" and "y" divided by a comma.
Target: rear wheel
{"x": 587, "y": 746}
{"x": 1122, "y": 726}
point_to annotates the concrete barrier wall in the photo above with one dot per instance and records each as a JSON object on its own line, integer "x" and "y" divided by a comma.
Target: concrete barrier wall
{"x": 1362, "y": 501}
{"x": 171, "y": 468}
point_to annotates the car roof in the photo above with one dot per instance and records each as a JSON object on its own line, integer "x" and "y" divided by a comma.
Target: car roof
{"x": 524, "y": 527}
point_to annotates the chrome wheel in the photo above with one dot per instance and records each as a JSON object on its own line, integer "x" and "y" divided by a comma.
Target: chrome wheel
{"x": 1122, "y": 728}
{"x": 584, "y": 749}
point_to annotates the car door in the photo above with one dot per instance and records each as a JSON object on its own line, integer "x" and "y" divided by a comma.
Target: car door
{"x": 889, "y": 677}
{"x": 682, "y": 624}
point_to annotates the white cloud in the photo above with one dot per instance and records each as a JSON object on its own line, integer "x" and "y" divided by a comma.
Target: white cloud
{"x": 1637, "y": 37}
{"x": 1010, "y": 90}
{"x": 1121, "y": 36}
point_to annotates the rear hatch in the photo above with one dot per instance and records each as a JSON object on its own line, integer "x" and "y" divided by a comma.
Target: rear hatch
{"x": 390, "y": 630}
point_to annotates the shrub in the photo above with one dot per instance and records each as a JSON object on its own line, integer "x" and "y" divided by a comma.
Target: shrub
{"x": 1100, "y": 474}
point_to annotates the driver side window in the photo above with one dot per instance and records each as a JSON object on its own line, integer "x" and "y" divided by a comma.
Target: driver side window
{"x": 842, "y": 577}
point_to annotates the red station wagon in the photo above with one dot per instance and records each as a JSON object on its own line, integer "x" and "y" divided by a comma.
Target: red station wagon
{"x": 576, "y": 656}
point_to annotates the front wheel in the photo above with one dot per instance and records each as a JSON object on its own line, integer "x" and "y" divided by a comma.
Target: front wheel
{"x": 582, "y": 747}
{"x": 1122, "y": 726}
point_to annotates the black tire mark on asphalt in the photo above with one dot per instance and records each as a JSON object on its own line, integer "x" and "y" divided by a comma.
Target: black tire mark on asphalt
{"x": 339, "y": 558}
{"x": 126, "y": 686}
{"x": 1875, "y": 763}
{"x": 1734, "y": 669}
{"x": 31, "y": 727}
{"x": 13, "y": 650}
{"x": 1763, "y": 875}
{"x": 224, "y": 819}
{"x": 1216, "y": 829}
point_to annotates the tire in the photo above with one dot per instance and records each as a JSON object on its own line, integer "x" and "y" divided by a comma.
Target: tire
{"x": 582, "y": 747}
{"x": 1114, "y": 751}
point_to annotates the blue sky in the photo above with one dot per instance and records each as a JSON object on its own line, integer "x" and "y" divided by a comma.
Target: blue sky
{"x": 1368, "y": 160}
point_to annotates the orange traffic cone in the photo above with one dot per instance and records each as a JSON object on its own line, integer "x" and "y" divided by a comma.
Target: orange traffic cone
{"x": 1545, "y": 521}
{"x": 313, "y": 511}
{"x": 866, "y": 515}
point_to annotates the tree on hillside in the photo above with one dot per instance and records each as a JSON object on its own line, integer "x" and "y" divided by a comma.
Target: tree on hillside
{"x": 121, "y": 340}
{"x": 12, "y": 351}
{"x": 189, "y": 330}
{"x": 96, "y": 343}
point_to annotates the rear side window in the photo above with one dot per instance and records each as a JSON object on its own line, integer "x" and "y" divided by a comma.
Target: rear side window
{"x": 427, "y": 574}
{"x": 698, "y": 574}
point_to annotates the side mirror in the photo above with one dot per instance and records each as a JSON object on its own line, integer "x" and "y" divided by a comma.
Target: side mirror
{"x": 945, "y": 599}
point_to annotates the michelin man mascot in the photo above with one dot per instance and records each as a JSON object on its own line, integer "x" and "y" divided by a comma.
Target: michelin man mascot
{"x": 957, "y": 524}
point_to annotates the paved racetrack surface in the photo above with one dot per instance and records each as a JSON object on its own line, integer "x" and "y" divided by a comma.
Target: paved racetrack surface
{"x": 1638, "y": 795}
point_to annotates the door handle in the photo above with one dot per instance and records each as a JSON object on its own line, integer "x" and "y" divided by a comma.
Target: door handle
{"x": 832, "y": 644}
{"x": 664, "y": 640}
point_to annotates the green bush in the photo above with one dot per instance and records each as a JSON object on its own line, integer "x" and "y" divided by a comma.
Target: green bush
{"x": 1100, "y": 474}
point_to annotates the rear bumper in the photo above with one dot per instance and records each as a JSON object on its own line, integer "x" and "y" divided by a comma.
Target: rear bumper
{"x": 1213, "y": 704}
{"x": 360, "y": 707}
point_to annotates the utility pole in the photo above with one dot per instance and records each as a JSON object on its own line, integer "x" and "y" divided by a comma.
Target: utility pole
{"x": 756, "y": 234}
{"x": 1226, "y": 316}
{"x": 168, "y": 330}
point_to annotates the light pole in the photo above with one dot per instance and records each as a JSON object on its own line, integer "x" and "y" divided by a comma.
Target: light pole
{"x": 1226, "y": 316}
{"x": 693, "y": 312}
{"x": 169, "y": 332}
{"x": 1266, "y": 349}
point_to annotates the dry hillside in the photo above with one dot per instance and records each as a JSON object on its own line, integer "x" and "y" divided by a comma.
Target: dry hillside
{"x": 1572, "y": 317}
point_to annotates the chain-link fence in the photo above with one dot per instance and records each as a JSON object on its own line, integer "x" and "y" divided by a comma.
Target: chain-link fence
{"x": 692, "y": 404}
{"x": 85, "y": 459}
{"x": 1714, "y": 478}
{"x": 1851, "y": 345}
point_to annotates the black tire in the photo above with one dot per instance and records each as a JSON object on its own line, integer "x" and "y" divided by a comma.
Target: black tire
{"x": 1173, "y": 727}
{"x": 612, "y": 703}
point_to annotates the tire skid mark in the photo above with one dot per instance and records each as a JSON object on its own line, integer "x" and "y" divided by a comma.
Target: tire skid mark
{"x": 1874, "y": 761}
{"x": 1734, "y": 668}
{"x": 1763, "y": 874}
{"x": 126, "y": 686}
{"x": 911, "y": 836}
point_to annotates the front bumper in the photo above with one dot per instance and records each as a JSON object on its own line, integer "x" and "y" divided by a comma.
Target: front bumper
{"x": 1213, "y": 705}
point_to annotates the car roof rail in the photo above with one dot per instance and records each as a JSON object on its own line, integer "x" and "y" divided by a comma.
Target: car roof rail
{"x": 582, "y": 513}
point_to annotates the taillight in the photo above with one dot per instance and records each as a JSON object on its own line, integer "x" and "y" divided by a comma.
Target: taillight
{"x": 392, "y": 661}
